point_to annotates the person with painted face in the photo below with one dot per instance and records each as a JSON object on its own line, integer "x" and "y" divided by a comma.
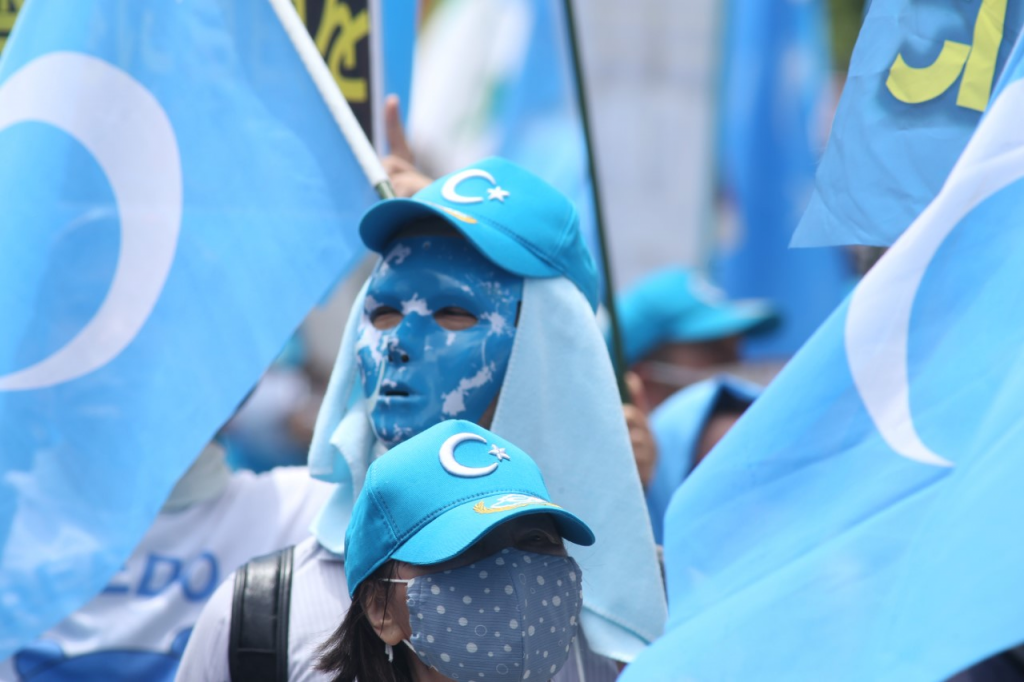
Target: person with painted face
{"x": 456, "y": 566}
{"x": 434, "y": 299}
{"x": 481, "y": 308}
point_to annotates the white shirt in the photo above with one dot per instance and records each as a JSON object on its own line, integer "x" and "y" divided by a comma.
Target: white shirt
{"x": 319, "y": 602}
{"x": 137, "y": 627}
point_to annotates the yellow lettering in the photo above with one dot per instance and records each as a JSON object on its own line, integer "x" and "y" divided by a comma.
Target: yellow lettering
{"x": 300, "y": 7}
{"x": 340, "y": 50}
{"x": 977, "y": 62}
{"x": 976, "y": 86}
{"x": 913, "y": 86}
{"x": 8, "y": 12}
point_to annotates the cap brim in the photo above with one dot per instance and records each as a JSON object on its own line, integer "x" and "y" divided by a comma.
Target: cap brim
{"x": 455, "y": 531}
{"x": 739, "y": 317}
{"x": 385, "y": 219}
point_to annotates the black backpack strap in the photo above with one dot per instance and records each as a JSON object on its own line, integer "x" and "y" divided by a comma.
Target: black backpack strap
{"x": 258, "y": 642}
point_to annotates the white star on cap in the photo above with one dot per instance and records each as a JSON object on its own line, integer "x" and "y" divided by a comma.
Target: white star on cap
{"x": 498, "y": 452}
{"x": 498, "y": 193}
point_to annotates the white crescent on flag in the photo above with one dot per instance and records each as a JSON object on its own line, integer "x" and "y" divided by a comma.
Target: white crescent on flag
{"x": 878, "y": 320}
{"x": 129, "y": 134}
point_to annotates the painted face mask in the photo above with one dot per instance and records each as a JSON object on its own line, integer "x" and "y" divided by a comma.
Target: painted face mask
{"x": 436, "y": 335}
{"x": 511, "y": 616}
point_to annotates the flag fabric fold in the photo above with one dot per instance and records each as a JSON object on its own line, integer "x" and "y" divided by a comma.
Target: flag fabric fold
{"x": 919, "y": 78}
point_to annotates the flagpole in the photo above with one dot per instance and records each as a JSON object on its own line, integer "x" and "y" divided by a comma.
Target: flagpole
{"x": 618, "y": 358}
{"x": 363, "y": 149}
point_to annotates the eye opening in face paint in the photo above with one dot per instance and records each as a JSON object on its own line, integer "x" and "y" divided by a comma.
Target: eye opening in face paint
{"x": 385, "y": 317}
{"x": 454, "y": 318}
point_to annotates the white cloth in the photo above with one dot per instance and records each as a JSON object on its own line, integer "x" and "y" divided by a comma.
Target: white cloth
{"x": 137, "y": 628}
{"x": 560, "y": 404}
{"x": 319, "y": 603}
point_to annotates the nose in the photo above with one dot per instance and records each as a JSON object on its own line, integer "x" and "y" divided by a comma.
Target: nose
{"x": 395, "y": 352}
{"x": 406, "y": 342}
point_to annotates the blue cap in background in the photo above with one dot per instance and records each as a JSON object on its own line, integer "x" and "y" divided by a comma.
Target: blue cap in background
{"x": 519, "y": 222}
{"x": 430, "y": 498}
{"x": 679, "y": 305}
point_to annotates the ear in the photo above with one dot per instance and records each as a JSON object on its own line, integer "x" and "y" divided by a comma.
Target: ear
{"x": 384, "y": 612}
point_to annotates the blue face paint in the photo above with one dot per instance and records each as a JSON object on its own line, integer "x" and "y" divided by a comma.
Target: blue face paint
{"x": 418, "y": 365}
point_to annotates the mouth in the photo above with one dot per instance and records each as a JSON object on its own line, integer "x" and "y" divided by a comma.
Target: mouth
{"x": 392, "y": 389}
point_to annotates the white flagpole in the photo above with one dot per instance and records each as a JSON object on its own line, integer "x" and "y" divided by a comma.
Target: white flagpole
{"x": 335, "y": 101}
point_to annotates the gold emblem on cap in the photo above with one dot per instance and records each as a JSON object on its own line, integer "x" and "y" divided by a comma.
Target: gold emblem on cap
{"x": 510, "y": 502}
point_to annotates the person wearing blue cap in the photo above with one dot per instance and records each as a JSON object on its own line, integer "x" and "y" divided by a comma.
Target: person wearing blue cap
{"x": 678, "y": 329}
{"x": 456, "y": 566}
{"x": 481, "y": 308}
{"x": 686, "y": 427}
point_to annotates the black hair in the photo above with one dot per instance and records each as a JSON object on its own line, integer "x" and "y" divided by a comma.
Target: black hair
{"x": 355, "y": 651}
{"x": 730, "y": 403}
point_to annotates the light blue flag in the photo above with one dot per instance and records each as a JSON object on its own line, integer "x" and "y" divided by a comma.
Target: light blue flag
{"x": 775, "y": 89}
{"x": 537, "y": 115}
{"x": 920, "y": 76}
{"x": 399, "y": 19}
{"x": 175, "y": 197}
{"x": 861, "y": 521}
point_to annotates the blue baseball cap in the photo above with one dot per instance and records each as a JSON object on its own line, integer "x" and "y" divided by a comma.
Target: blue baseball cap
{"x": 430, "y": 498}
{"x": 679, "y": 305}
{"x": 519, "y": 222}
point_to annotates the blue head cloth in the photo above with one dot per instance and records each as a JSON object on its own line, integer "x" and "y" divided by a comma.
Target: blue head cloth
{"x": 558, "y": 401}
{"x": 430, "y": 498}
{"x": 513, "y": 217}
{"x": 418, "y": 365}
{"x": 677, "y": 425}
{"x": 678, "y": 304}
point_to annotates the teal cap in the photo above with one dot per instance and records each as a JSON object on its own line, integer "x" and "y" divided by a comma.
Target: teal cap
{"x": 519, "y": 222}
{"x": 432, "y": 497}
{"x": 679, "y": 305}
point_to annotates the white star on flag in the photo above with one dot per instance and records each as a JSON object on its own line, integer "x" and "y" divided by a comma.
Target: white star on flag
{"x": 497, "y": 193}
{"x": 498, "y": 452}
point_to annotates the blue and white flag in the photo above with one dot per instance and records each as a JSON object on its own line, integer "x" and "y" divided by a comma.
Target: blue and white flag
{"x": 861, "y": 521}
{"x": 920, "y": 76}
{"x": 175, "y": 196}
{"x": 775, "y": 92}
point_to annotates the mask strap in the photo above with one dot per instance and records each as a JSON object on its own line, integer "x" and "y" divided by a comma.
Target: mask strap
{"x": 397, "y": 580}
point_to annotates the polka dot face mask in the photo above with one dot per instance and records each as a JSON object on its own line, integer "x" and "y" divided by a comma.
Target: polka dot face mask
{"x": 511, "y": 616}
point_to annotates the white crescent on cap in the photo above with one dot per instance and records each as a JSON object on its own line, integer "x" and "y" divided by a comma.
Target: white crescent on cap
{"x": 450, "y": 188}
{"x": 878, "y": 320}
{"x": 128, "y": 133}
{"x": 447, "y": 455}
